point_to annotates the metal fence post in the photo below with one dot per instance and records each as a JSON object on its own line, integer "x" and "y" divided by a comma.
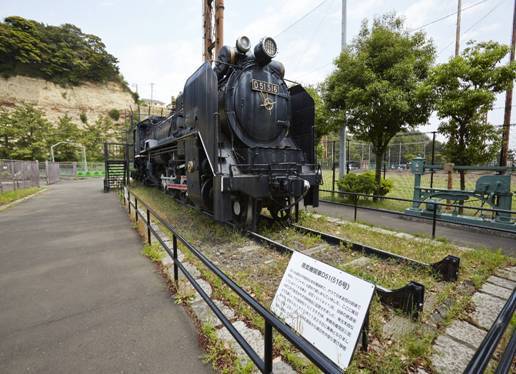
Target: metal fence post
{"x": 355, "y": 213}
{"x": 129, "y": 201}
{"x": 433, "y": 160}
{"x": 434, "y": 215}
{"x": 267, "y": 357}
{"x": 333, "y": 166}
{"x": 135, "y": 208}
{"x": 148, "y": 227}
{"x": 174, "y": 254}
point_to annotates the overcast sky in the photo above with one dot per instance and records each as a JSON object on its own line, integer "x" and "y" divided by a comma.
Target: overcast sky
{"x": 160, "y": 41}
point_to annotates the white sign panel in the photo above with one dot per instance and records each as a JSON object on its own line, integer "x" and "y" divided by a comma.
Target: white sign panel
{"x": 325, "y": 305}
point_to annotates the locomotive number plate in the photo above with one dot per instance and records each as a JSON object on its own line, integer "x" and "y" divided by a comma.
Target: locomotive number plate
{"x": 257, "y": 85}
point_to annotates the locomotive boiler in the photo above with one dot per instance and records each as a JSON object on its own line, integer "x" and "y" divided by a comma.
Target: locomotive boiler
{"x": 239, "y": 139}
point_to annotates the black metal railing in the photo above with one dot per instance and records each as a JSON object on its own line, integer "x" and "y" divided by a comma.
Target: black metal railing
{"x": 354, "y": 203}
{"x": 488, "y": 346}
{"x": 271, "y": 322}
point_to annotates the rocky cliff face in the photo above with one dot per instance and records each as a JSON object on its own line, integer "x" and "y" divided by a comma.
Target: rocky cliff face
{"x": 55, "y": 101}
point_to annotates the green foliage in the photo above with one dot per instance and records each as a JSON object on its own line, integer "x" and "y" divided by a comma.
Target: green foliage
{"x": 83, "y": 117}
{"x": 385, "y": 187}
{"x": 61, "y": 54}
{"x": 379, "y": 83}
{"x": 25, "y": 134}
{"x": 10, "y": 196}
{"x": 319, "y": 150}
{"x": 465, "y": 90}
{"x": 114, "y": 114}
{"x": 323, "y": 125}
{"x": 66, "y": 131}
{"x": 154, "y": 252}
{"x": 364, "y": 183}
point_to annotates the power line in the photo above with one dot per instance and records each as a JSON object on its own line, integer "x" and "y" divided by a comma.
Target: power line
{"x": 317, "y": 28}
{"x": 300, "y": 19}
{"x": 447, "y": 16}
{"x": 484, "y": 17}
{"x": 476, "y": 23}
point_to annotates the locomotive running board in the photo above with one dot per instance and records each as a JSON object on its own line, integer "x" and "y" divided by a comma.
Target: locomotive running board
{"x": 447, "y": 269}
{"x": 409, "y": 298}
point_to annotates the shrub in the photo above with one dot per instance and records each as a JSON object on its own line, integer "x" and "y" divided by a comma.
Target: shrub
{"x": 114, "y": 114}
{"x": 363, "y": 183}
{"x": 385, "y": 187}
{"x": 83, "y": 117}
{"x": 357, "y": 183}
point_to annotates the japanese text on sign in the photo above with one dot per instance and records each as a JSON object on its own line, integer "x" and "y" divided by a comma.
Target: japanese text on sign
{"x": 325, "y": 305}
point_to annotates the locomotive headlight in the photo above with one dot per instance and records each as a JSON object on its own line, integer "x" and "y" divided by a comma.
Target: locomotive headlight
{"x": 269, "y": 47}
{"x": 265, "y": 50}
{"x": 243, "y": 44}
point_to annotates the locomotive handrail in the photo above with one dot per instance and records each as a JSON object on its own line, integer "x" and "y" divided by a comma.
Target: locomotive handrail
{"x": 271, "y": 321}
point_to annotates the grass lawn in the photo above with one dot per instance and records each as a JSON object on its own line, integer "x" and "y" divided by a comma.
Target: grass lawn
{"x": 10, "y": 196}
{"x": 403, "y": 187}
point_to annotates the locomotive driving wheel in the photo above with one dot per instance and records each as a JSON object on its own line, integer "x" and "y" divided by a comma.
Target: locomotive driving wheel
{"x": 245, "y": 211}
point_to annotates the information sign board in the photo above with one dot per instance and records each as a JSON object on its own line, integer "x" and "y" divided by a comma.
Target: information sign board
{"x": 327, "y": 306}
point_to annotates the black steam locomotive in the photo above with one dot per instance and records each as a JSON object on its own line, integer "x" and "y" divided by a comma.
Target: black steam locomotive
{"x": 238, "y": 140}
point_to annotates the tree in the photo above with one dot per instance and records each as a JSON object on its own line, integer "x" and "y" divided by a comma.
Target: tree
{"x": 95, "y": 135}
{"x": 465, "y": 89}
{"x": 62, "y": 54}
{"x": 26, "y": 134}
{"x": 379, "y": 82}
{"x": 66, "y": 131}
{"x": 323, "y": 124}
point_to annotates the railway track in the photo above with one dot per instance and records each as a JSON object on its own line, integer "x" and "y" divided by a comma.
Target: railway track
{"x": 409, "y": 298}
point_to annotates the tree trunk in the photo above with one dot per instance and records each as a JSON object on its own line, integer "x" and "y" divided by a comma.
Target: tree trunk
{"x": 378, "y": 170}
{"x": 462, "y": 187}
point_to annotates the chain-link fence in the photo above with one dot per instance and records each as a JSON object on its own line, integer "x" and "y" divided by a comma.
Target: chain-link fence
{"x": 78, "y": 169}
{"x": 52, "y": 172}
{"x": 15, "y": 174}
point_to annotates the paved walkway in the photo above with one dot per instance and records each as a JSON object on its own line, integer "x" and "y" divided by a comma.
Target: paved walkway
{"x": 456, "y": 235}
{"x": 77, "y": 296}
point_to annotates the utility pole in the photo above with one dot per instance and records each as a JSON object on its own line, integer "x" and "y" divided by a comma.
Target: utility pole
{"x": 342, "y": 131}
{"x": 219, "y": 26}
{"x": 151, "y": 92}
{"x": 207, "y": 15}
{"x": 508, "y": 99}
{"x": 457, "y": 30}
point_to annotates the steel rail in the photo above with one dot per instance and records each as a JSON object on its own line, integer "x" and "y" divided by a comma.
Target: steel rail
{"x": 409, "y": 298}
{"x": 447, "y": 268}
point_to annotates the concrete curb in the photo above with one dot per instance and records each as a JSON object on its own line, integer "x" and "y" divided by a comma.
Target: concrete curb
{"x": 16, "y": 202}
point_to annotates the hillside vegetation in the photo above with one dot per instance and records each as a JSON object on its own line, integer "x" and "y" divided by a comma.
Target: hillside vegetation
{"x": 60, "y": 54}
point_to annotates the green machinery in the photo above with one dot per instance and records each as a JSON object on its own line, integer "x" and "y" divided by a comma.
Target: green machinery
{"x": 492, "y": 191}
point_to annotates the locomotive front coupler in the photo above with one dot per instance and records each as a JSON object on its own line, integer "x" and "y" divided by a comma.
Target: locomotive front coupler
{"x": 289, "y": 185}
